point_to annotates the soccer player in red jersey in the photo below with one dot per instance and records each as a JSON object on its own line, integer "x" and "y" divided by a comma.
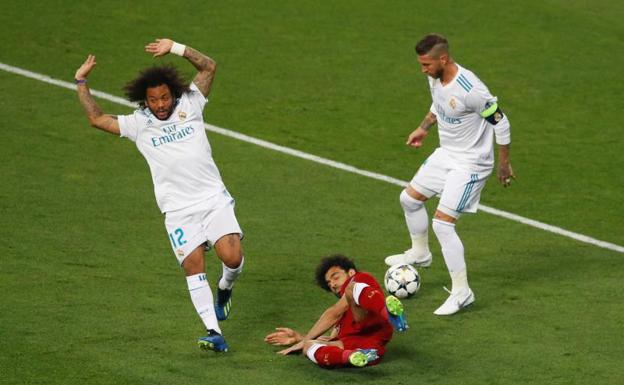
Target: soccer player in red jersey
{"x": 362, "y": 321}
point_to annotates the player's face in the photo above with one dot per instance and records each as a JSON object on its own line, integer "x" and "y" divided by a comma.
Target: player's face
{"x": 336, "y": 276}
{"x": 432, "y": 66}
{"x": 160, "y": 101}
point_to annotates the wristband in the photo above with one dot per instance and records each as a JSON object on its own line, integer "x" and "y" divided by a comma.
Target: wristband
{"x": 80, "y": 81}
{"x": 177, "y": 49}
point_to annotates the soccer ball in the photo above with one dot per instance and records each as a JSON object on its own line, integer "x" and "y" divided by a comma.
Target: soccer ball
{"x": 402, "y": 281}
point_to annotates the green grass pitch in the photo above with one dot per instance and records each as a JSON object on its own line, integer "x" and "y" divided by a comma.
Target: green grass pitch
{"x": 91, "y": 293}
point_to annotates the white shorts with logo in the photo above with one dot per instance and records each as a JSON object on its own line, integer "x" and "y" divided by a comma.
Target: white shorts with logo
{"x": 459, "y": 189}
{"x": 203, "y": 223}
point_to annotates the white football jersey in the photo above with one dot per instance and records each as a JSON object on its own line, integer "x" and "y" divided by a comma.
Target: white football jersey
{"x": 177, "y": 152}
{"x": 462, "y": 131}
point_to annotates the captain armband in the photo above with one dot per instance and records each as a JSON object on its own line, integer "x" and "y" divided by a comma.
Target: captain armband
{"x": 492, "y": 114}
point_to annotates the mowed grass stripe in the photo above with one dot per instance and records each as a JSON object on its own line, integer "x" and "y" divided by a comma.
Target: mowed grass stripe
{"x": 326, "y": 162}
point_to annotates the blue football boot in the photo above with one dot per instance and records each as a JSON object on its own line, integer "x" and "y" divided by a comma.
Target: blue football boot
{"x": 213, "y": 341}
{"x": 223, "y": 304}
{"x": 396, "y": 313}
{"x": 363, "y": 357}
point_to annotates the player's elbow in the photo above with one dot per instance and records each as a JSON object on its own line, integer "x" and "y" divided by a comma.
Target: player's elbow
{"x": 93, "y": 121}
{"x": 211, "y": 67}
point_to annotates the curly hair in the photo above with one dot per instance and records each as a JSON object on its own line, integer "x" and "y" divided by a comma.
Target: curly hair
{"x": 136, "y": 90}
{"x": 327, "y": 263}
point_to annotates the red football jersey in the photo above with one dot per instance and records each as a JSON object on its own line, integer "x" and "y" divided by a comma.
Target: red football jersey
{"x": 373, "y": 325}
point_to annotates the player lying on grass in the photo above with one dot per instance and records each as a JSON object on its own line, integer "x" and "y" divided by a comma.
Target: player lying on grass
{"x": 361, "y": 322}
{"x": 168, "y": 129}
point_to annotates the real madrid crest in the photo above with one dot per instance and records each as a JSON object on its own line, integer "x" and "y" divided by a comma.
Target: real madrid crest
{"x": 453, "y": 103}
{"x": 497, "y": 116}
{"x": 182, "y": 115}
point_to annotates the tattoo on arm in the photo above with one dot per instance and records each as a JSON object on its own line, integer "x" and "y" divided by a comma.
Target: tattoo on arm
{"x": 91, "y": 108}
{"x": 96, "y": 118}
{"x": 206, "y": 67}
{"x": 428, "y": 121}
{"x": 109, "y": 123}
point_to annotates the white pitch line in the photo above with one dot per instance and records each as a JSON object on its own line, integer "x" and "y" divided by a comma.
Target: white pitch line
{"x": 326, "y": 162}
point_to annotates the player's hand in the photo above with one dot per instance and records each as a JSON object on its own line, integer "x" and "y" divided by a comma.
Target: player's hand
{"x": 415, "y": 139}
{"x": 324, "y": 338}
{"x": 85, "y": 68}
{"x": 160, "y": 47}
{"x": 293, "y": 349}
{"x": 505, "y": 174}
{"x": 283, "y": 336}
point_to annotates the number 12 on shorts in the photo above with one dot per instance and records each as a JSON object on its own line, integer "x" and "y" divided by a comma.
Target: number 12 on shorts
{"x": 177, "y": 238}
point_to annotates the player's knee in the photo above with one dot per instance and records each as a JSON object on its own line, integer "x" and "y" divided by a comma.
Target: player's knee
{"x": 231, "y": 259}
{"x": 307, "y": 345}
{"x": 229, "y": 250}
{"x": 409, "y": 203}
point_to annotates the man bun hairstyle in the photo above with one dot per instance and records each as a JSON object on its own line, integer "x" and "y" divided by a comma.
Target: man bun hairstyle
{"x": 433, "y": 44}
{"x": 136, "y": 90}
{"x": 327, "y": 263}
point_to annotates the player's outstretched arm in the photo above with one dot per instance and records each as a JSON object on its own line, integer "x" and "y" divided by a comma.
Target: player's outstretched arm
{"x": 283, "y": 336}
{"x": 96, "y": 118}
{"x": 416, "y": 138}
{"x": 206, "y": 67}
{"x": 328, "y": 319}
{"x": 505, "y": 173}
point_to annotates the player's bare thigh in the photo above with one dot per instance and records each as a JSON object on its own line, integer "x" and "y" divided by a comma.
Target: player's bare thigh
{"x": 438, "y": 214}
{"x": 415, "y": 194}
{"x": 229, "y": 250}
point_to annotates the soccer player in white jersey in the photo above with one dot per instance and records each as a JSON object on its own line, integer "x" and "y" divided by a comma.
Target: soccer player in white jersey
{"x": 168, "y": 130}
{"x": 468, "y": 119}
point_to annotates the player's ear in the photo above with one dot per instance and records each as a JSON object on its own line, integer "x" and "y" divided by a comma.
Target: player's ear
{"x": 351, "y": 272}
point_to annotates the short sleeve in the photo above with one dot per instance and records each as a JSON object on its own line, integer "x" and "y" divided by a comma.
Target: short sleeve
{"x": 433, "y": 110}
{"x": 128, "y": 127}
{"x": 479, "y": 98}
{"x": 197, "y": 99}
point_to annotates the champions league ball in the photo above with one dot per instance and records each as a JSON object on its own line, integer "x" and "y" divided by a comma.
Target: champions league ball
{"x": 402, "y": 281}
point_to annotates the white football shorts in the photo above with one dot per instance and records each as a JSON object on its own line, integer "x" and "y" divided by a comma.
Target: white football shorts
{"x": 203, "y": 223}
{"x": 458, "y": 187}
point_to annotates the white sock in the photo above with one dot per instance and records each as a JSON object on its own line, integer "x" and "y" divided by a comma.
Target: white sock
{"x": 459, "y": 280}
{"x": 228, "y": 275}
{"x": 417, "y": 223}
{"x": 453, "y": 252}
{"x": 312, "y": 350}
{"x": 201, "y": 296}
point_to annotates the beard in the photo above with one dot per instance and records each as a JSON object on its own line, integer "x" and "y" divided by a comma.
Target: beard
{"x": 438, "y": 74}
{"x": 162, "y": 114}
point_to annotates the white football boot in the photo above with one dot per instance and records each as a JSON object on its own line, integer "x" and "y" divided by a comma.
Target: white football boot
{"x": 456, "y": 301}
{"x": 409, "y": 257}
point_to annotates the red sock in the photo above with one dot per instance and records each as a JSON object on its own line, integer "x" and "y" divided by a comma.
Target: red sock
{"x": 373, "y": 300}
{"x": 332, "y": 356}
